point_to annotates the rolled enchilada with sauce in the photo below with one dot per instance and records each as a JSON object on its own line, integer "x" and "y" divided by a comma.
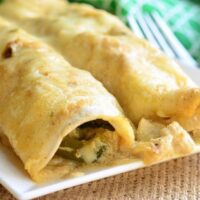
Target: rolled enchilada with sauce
{"x": 56, "y": 118}
{"x": 154, "y": 92}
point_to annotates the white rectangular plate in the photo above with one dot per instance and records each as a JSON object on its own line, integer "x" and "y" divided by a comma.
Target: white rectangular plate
{"x": 16, "y": 180}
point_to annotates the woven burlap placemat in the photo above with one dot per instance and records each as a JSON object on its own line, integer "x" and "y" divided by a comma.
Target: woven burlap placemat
{"x": 177, "y": 179}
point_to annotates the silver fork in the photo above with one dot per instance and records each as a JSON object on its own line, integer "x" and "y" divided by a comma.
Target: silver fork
{"x": 153, "y": 28}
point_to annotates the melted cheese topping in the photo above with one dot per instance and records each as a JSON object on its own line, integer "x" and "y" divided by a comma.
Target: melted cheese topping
{"x": 43, "y": 98}
{"x": 150, "y": 85}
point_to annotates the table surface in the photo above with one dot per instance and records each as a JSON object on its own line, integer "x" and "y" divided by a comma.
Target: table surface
{"x": 177, "y": 179}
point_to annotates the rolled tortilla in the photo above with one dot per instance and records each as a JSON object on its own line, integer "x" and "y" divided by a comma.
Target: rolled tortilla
{"x": 44, "y": 100}
{"x": 155, "y": 93}
{"x": 146, "y": 82}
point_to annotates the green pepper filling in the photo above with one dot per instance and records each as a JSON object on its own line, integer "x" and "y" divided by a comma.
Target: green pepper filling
{"x": 87, "y": 143}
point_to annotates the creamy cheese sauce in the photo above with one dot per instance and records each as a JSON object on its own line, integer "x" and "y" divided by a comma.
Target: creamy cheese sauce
{"x": 93, "y": 147}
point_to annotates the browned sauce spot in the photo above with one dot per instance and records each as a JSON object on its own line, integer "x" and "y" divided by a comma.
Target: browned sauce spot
{"x": 29, "y": 93}
{"x": 11, "y": 48}
{"x": 156, "y": 147}
{"x": 45, "y": 73}
{"x": 8, "y": 52}
{"x": 156, "y": 144}
{"x": 53, "y": 123}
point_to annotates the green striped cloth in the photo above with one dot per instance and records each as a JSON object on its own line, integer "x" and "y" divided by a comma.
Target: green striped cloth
{"x": 182, "y": 16}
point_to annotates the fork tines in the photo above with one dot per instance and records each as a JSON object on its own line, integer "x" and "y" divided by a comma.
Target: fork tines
{"x": 153, "y": 28}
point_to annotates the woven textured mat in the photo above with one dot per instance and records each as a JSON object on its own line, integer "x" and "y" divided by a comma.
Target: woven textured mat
{"x": 177, "y": 179}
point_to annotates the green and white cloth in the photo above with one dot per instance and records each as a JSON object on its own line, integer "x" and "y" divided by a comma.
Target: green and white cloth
{"x": 182, "y": 16}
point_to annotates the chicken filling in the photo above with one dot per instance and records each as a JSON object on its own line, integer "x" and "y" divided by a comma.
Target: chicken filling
{"x": 91, "y": 142}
